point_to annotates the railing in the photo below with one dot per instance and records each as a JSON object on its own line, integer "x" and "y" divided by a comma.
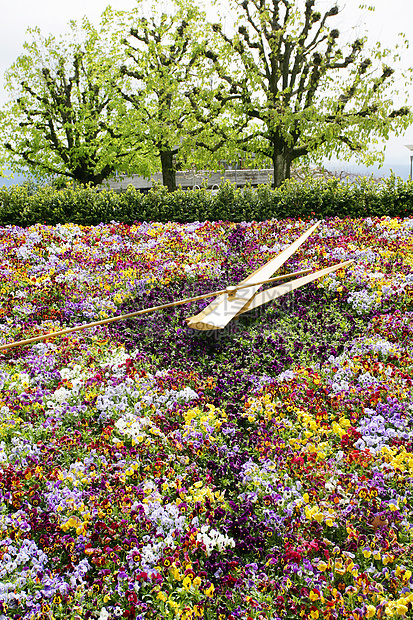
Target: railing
{"x": 191, "y": 180}
{"x": 212, "y": 180}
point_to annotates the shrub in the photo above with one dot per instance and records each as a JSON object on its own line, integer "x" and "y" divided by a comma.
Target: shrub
{"x": 313, "y": 198}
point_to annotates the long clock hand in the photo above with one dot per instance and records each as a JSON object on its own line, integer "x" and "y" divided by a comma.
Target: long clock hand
{"x": 230, "y": 291}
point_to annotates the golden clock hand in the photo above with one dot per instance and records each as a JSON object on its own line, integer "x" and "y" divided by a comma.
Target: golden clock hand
{"x": 222, "y": 309}
{"x": 278, "y": 291}
{"x": 230, "y": 291}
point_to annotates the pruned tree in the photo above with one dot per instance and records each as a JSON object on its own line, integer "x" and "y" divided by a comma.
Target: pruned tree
{"x": 303, "y": 93}
{"x": 165, "y": 71}
{"x": 65, "y": 117}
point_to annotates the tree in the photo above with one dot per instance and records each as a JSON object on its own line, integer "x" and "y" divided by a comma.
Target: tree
{"x": 164, "y": 60}
{"x": 303, "y": 94}
{"x": 65, "y": 116}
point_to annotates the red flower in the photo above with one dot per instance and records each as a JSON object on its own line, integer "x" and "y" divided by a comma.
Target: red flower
{"x": 292, "y": 555}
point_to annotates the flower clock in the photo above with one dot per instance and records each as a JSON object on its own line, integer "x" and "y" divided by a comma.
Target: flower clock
{"x": 155, "y": 466}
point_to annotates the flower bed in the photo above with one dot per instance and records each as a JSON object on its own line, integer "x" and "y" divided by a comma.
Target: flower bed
{"x": 262, "y": 472}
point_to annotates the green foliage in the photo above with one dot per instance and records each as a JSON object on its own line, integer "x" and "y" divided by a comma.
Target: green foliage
{"x": 83, "y": 205}
{"x": 314, "y": 198}
{"x": 151, "y": 90}
{"x": 64, "y": 116}
{"x": 162, "y": 66}
{"x": 295, "y": 89}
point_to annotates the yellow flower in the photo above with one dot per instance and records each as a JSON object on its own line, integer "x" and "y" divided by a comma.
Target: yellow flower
{"x": 370, "y": 611}
{"x": 337, "y": 429}
{"x": 314, "y": 513}
{"x": 161, "y": 596}
{"x": 187, "y": 583}
{"x": 210, "y": 591}
{"x": 81, "y": 529}
{"x": 172, "y": 604}
{"x": 401, "y": 608}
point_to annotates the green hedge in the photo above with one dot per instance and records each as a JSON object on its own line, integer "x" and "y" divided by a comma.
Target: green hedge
{"x": 311, "y": 198}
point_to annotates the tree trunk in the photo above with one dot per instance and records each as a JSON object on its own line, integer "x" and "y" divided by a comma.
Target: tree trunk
{"x": 282, "y": 166}
{"x": 85, "y": 176}
{"x": 168, "y": 170}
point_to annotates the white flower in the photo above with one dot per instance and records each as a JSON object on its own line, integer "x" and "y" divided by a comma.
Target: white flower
{"x": 187, "y": 394}
{"x": 214, "y": 540}
{"x": 65, "y": 373}
{"x": 104, "y": 614}
{"x": 61, "y": 395}
{"x": 367, "y": 379}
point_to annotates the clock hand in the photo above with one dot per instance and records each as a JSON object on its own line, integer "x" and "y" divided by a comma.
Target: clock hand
{"x": 221, "y": 310}
{"x": 278, "y": 291}
{"x": 230, "y": 291}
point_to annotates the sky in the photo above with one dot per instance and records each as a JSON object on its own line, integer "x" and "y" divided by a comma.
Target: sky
{"x": 384, "y": 24}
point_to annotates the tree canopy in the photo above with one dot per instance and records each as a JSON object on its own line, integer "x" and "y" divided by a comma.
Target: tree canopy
{"x": 303, "y": 92}
{"x": 65, "y": 117}
{"x": 164, "y": 69}
{"x": 152, "y": 90}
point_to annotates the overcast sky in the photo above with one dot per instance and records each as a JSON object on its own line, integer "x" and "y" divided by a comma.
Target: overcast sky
{"x": 384, "y": 24}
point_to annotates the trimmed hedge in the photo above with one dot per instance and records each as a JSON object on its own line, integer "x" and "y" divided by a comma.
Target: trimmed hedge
{"x": 313, "y": 198}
